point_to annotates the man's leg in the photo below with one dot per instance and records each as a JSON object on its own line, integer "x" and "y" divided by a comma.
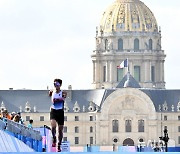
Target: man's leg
{"x": 60, "y": 136}
{"x": 53, "y": 128}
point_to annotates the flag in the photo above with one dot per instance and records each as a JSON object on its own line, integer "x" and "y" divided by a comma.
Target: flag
{"x": 123, "y": 64}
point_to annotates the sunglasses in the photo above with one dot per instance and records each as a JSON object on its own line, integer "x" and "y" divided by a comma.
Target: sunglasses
{"x": 56, "y": 84}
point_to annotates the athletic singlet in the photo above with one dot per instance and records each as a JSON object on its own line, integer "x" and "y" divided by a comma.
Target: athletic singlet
{"x": 57, "y": 105}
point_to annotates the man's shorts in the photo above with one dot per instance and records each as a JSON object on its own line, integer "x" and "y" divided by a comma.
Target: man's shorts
{"x": 57, "y": 115}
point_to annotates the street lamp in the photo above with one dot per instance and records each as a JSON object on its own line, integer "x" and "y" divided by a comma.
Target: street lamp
{"x": 165, "y": 138}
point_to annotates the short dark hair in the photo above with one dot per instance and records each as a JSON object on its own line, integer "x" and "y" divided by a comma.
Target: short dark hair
{"x": 58, "y": 80}
{"x": 30, "y": 121}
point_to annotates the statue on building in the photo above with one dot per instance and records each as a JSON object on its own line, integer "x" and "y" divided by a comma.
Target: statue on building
{"x": 110, "y": 45}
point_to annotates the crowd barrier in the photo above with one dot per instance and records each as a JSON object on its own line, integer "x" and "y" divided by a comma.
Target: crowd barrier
{"x": 39, "y": 139}
{"x": 46, "y": 134}
{"x": 29, "y": 136}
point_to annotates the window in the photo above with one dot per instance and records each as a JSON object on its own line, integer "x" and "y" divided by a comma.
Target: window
{"x": 27, "y": 109}
{"x": 27, "y": 118}
{"x": 120, "y": 44}
{"x": 65, "y": 129}
{"x": 119, "y": 74}
{"x": 115, "y": 126}
{"x": 152, "y": 73}
{"x": 165, "y": 118}
{"x": 41, "y": 118}
{"x": 76, "y": 129}
{"x": 115, "y": 140}
{"x": 178, "y": 139}
{"x": 106, "y": 44}
{"x": 91, "y": 129}
{"x": 64, "y": 139}
{"x": 137, "y": 73}
{"x": 76, "y": 118}
{"x": 178, "y": 128}
{"x": 91, "y": 118}
{"x": 76, "y": 140}
{"x": 136, "y": 44}
{"x": 104, "y": 73}
{"x": 91, "y": 140}
{"x": 141, "y": 140}
{"x": 128, "y": 125}
{"x": 150, "y": 44}
{"x": 65, "y": 118}
{"x": 178, "y": 117}
{"x": 140, "y": 125}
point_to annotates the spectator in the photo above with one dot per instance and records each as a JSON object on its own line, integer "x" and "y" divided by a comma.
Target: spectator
{"x": 5, "y": 114}
{"x": 21, "y": 121}
{"x": 13, "y": 115}
{"x": 16, "y": 118}
{"x": 30, "y": 123}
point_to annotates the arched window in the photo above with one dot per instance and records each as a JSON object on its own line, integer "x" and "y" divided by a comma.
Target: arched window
{"x": 136, "y": 44}
{"x": 115, "y": 126}
{"x": 140, "y": 125}
{"x": 150, "y": 44}
{"x": 120, "y": 44}
{"x": 128, "y": 125}
{"x": 106, "y": 44}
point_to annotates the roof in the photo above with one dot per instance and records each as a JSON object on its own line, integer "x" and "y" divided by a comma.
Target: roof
{"x": 131, "y": 82}
{"x": 128, "y": 15}
{"x": 13, "y": 99}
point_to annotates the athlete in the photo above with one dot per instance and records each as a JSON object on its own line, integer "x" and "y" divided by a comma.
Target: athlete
{"x": 57, "y": 112}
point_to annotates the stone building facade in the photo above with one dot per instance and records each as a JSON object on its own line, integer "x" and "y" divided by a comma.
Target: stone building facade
{"x": 128, "y": 29}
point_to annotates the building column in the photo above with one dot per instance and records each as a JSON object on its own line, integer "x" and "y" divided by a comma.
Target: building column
{"x": 97, "y": 73}
{"x": 158, "y": 71}
{"x": 94, "y": 71}
{"x": 107, "y": 71}
{"x": 162, "y": 70}
{"x": 148, "y": 71}
{"x": 111, "y": 72}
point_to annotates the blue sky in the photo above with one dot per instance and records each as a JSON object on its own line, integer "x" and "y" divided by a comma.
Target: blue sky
{"x": 44, "y": 39}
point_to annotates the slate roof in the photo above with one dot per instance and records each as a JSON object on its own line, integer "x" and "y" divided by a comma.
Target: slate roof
{"x": 132, "y": 82}
{"x": 83, "y": 97}
{"x": 13, "y": 99}
{"x": 160, "y": 96}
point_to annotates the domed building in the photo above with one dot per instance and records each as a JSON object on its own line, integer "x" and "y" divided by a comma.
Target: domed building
{"x": 128, "y": 106}
{"x": 128, "y": 29}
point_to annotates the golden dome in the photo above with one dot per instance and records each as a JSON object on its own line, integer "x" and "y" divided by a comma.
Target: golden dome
{"x": 128, "y": 15}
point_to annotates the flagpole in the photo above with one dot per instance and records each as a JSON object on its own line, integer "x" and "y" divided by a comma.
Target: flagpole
{"x": 127, "y": 65}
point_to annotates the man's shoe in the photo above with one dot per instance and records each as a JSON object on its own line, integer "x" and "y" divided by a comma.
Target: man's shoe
{"x": 54, "y": 142}
{"x": 59, "y": 148}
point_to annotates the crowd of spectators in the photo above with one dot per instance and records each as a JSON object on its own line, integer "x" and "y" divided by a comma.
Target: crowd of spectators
{"x": 16, "y": 117}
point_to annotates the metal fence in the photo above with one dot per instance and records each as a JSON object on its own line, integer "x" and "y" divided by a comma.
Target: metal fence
{"x": 31, "y": 137}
